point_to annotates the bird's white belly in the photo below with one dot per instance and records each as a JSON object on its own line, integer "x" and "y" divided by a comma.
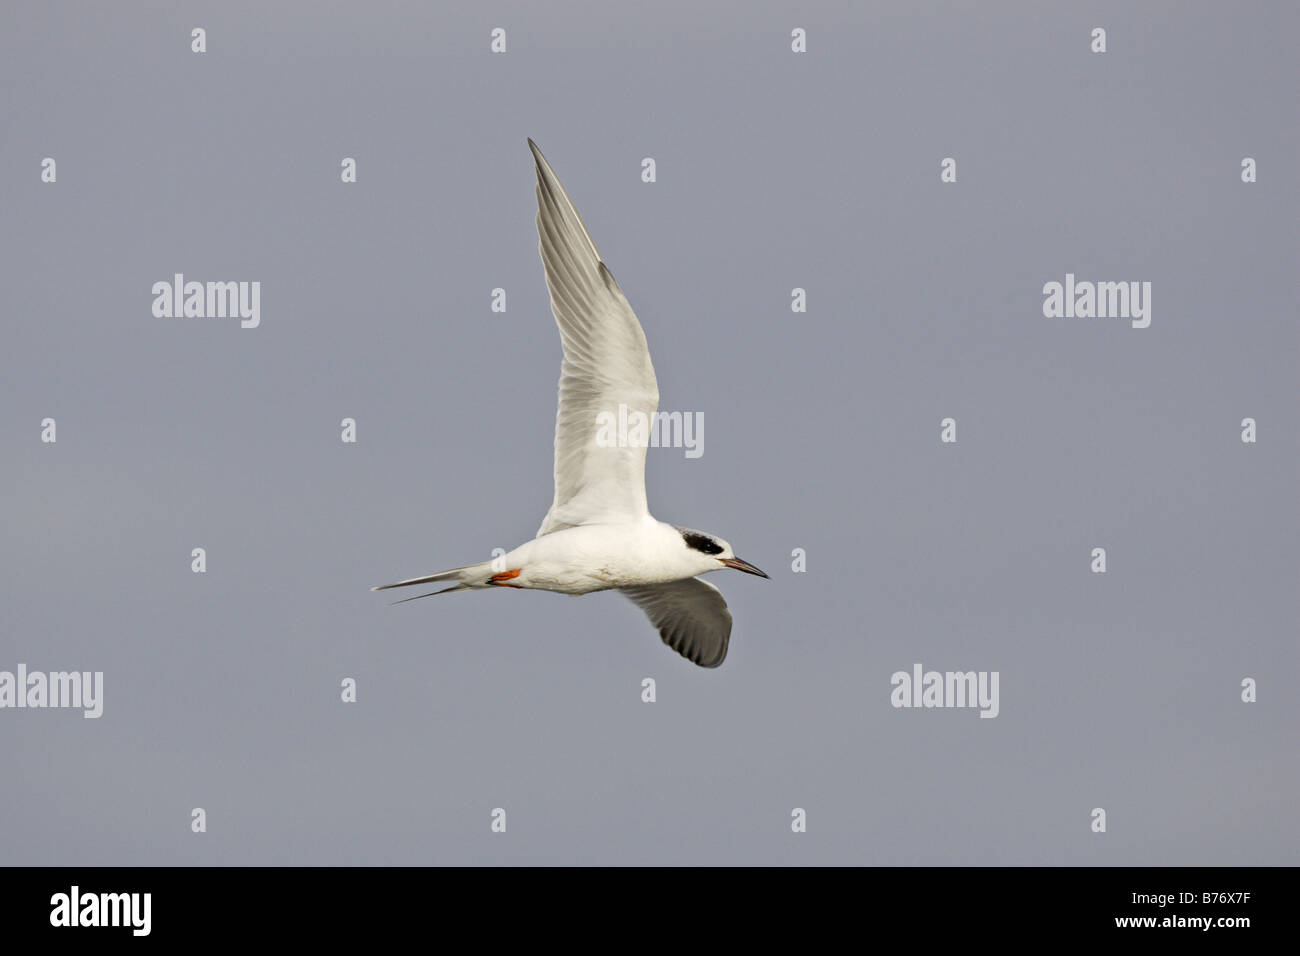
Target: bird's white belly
{"x": 595, "y": 558}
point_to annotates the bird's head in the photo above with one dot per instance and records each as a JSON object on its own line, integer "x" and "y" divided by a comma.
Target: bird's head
{"x": 711, "y": 553}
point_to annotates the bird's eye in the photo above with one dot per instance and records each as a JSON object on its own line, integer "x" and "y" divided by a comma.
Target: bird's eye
{"x": 701, "y": 543}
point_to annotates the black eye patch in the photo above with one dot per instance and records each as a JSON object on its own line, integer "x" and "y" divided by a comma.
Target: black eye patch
{"x": 701, "y": 543}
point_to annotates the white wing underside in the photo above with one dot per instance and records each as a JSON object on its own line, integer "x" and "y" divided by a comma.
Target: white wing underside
{"x": 691, "y": 616}
{"x": 606, "y": 364}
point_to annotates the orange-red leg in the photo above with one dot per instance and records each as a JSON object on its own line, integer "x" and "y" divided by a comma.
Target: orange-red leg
{"x": 504, "y": 576}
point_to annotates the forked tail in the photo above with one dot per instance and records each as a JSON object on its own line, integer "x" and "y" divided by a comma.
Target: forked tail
{"x": 467, "y": 578}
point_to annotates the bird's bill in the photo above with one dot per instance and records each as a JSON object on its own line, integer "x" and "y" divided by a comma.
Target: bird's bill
{"x": 745, "y": 566}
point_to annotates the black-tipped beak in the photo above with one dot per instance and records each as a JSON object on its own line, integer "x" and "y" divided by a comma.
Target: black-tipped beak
{"x": 745, "y": 566}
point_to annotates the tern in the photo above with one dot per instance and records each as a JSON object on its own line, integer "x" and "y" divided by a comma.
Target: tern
{"x": 598, "y": 534}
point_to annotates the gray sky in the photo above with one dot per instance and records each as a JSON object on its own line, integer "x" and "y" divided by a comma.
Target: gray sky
{"x": 775, "y": 170}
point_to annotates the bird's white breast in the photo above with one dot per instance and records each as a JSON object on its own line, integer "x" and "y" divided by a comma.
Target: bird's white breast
{"x": 598, "y": 557}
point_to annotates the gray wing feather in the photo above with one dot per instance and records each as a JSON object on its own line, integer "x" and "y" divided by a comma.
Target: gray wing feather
{"x": 691, "y": 616}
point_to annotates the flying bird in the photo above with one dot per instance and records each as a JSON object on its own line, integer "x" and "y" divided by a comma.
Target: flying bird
{"x": 598, "y": 534}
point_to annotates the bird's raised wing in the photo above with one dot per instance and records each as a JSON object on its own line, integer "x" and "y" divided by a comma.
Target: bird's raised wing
{"x": 606, "y": 365}
{"x": 691, "y": 616}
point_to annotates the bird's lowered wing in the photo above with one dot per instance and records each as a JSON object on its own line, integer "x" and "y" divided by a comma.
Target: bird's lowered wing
{"x": 691, "y": 616}
{"x": 606, "y": 365}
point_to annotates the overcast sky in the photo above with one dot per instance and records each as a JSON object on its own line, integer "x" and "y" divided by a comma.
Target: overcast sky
{"x": 775, "y": 170}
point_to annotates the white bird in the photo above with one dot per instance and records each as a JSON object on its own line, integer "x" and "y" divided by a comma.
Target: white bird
{"x": 599, "y": 534}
